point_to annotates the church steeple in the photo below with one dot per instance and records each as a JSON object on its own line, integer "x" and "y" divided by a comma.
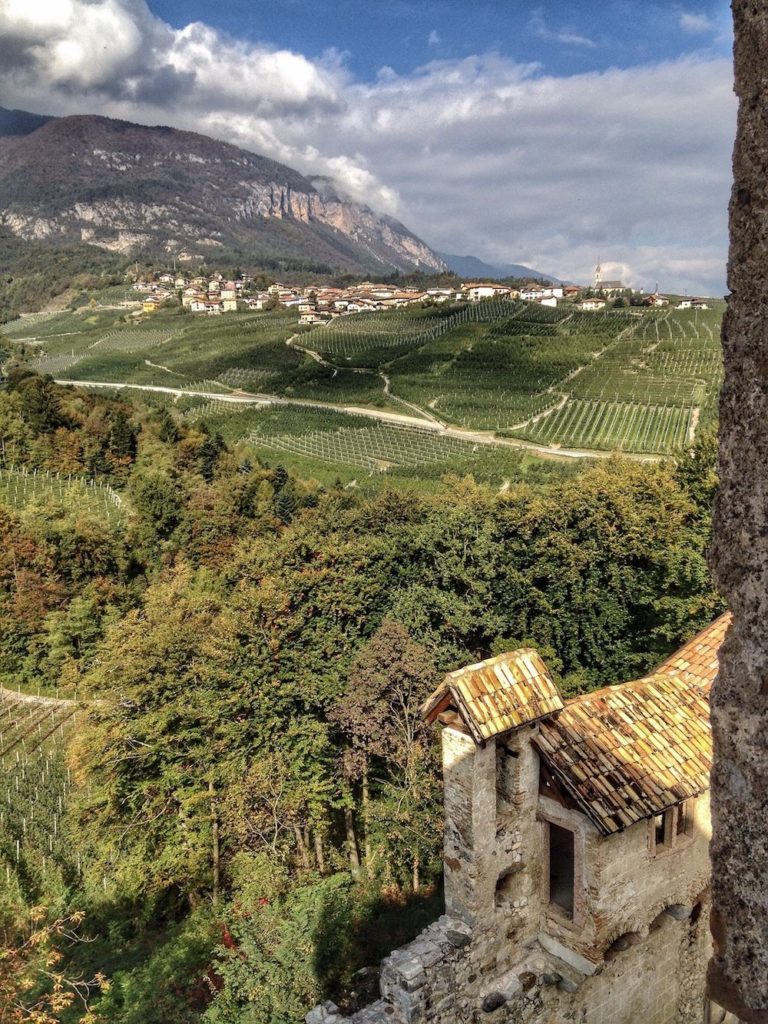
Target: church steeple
{"x": 598, "y": 276}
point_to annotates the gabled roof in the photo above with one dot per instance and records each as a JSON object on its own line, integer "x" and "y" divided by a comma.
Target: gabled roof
{"x": 696, "y": 661}
{"x": 628, "y": 752}
{"x": 497, "y": 695}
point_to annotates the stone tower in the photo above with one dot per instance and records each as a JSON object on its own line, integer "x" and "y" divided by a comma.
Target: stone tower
{"x": 489, "y": 714}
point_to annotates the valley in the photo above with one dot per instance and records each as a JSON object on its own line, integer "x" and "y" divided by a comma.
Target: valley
{"x": 419, "y": 391}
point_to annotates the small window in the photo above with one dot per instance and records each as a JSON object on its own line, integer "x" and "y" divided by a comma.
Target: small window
{"x": 561, "y": 868}
{"x": 671, "y": 826}
{"x": 662, "y": 830}
{"x": 685, "y": 819}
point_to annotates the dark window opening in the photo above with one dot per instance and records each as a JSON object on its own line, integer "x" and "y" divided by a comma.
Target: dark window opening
{"x": 659, "y": 826}
{"x": 561, "y": 868}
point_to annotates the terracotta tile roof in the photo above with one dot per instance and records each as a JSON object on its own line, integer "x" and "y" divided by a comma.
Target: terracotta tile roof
{"x": 497, "y": 695}
{"x": 696, "y": 661}
{"x": 630, "y": 751}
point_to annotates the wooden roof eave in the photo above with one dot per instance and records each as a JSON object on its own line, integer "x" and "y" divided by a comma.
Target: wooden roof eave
{"x": 435, "y": 704}
{"x": 442, "y": 699}
{"x": 467, "y": 716}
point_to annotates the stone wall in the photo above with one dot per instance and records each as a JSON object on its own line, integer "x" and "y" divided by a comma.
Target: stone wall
{"x": 436, "y": 980}
{"x": 634, "y": 951}
{"x": 739, "y": 700}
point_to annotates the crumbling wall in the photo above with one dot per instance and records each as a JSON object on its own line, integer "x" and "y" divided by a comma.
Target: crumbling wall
{"x": 738, "y": 977}
{"x": 436, "y": 980}
{"x": 636, "y": 949}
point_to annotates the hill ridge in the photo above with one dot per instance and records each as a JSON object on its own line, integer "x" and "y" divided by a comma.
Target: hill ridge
{"x": 130, "y": 187}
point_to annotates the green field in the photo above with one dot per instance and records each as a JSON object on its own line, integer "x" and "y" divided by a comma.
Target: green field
{"x": 635, "y": 380}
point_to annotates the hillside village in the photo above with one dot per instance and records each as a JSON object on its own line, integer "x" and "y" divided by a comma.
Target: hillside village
{"x": 319, "y": 304}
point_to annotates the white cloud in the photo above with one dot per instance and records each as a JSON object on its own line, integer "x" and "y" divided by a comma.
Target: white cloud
{"x": 695, "y": 24}
{"x": 567, "y": 36}
{"x": 434, "y": 38}
{"x": 476, "y": 155}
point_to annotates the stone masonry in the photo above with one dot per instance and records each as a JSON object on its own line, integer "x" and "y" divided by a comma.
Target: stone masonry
{"x": 628, "y": 942}
{"x": 738, "y": 977}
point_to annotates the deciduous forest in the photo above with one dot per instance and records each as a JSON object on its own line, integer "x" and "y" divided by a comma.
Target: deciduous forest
{"x": 248, "y": 813}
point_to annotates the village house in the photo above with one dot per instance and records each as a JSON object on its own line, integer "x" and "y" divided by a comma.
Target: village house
{"x": 654, "y": 299}
{"x": 485, "y": 290}
{"x": 575, "y": 851}
{"x": 591, "y": 304}
{"x": 537, "y": 292}
{"x": 316, "y": 317}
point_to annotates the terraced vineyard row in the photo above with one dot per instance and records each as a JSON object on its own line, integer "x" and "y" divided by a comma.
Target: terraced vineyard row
{"x": 133, "y": 339}
{"x": 34, "y": 780}
{"x": 375, "y": 447}
{"x": 20, "y": 486}
{"x": 645, "y": 392}
{"x": 240, "y": 377}
{"x": 622, "y": 425}
{"x": 368, "y": 338}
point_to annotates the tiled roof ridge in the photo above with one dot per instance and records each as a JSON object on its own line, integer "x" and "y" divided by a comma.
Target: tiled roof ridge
{"x": 495, "y": 659}
{"x": 497, "y": 695}
{"x": 582, "y": 698}
{"x": 706, "y": 642}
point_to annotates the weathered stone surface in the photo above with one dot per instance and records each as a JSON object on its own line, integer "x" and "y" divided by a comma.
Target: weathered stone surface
{"x": 457, "y": 939}
{"x": 678, "y": 912}
{"x": 568, "y": 956}
{"x": 325, "y": 1013}
{"x": 527, "y": 980}
{"x": 738, "y": 977}
{"x": 493, "y": 1001}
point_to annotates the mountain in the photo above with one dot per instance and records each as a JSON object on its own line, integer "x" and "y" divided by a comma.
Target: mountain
{"x": 152, "y": 190}
{"x": 472, "y": 267}
{"x": 20, "y": 122}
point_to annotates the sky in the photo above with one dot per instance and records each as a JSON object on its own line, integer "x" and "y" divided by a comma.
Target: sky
{"x": 555, "y": 134}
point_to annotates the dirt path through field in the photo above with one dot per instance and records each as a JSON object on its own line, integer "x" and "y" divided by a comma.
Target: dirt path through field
{"x": 694, "y": 424}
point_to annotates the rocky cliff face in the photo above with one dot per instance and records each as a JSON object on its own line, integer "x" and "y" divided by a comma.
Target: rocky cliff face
{"x": 125, "y": 186}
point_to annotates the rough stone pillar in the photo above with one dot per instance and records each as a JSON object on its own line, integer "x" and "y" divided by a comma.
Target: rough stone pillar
{"x": 469, "y": 796}
{"x": 738, "y": 975}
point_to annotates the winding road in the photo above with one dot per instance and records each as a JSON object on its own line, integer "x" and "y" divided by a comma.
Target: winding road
{"x": 432, "y": 425}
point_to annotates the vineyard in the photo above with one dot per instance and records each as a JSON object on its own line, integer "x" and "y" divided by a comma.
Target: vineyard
{"x": 374, "y": 447}
{"x": 20, "y": 487}
{"x": 647, "y": 391}
{"x": 369, "y": 339}
{"x": 632, "y": 379}
{"x": 34, "y": 780}
{"x": 621, "y": 425}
